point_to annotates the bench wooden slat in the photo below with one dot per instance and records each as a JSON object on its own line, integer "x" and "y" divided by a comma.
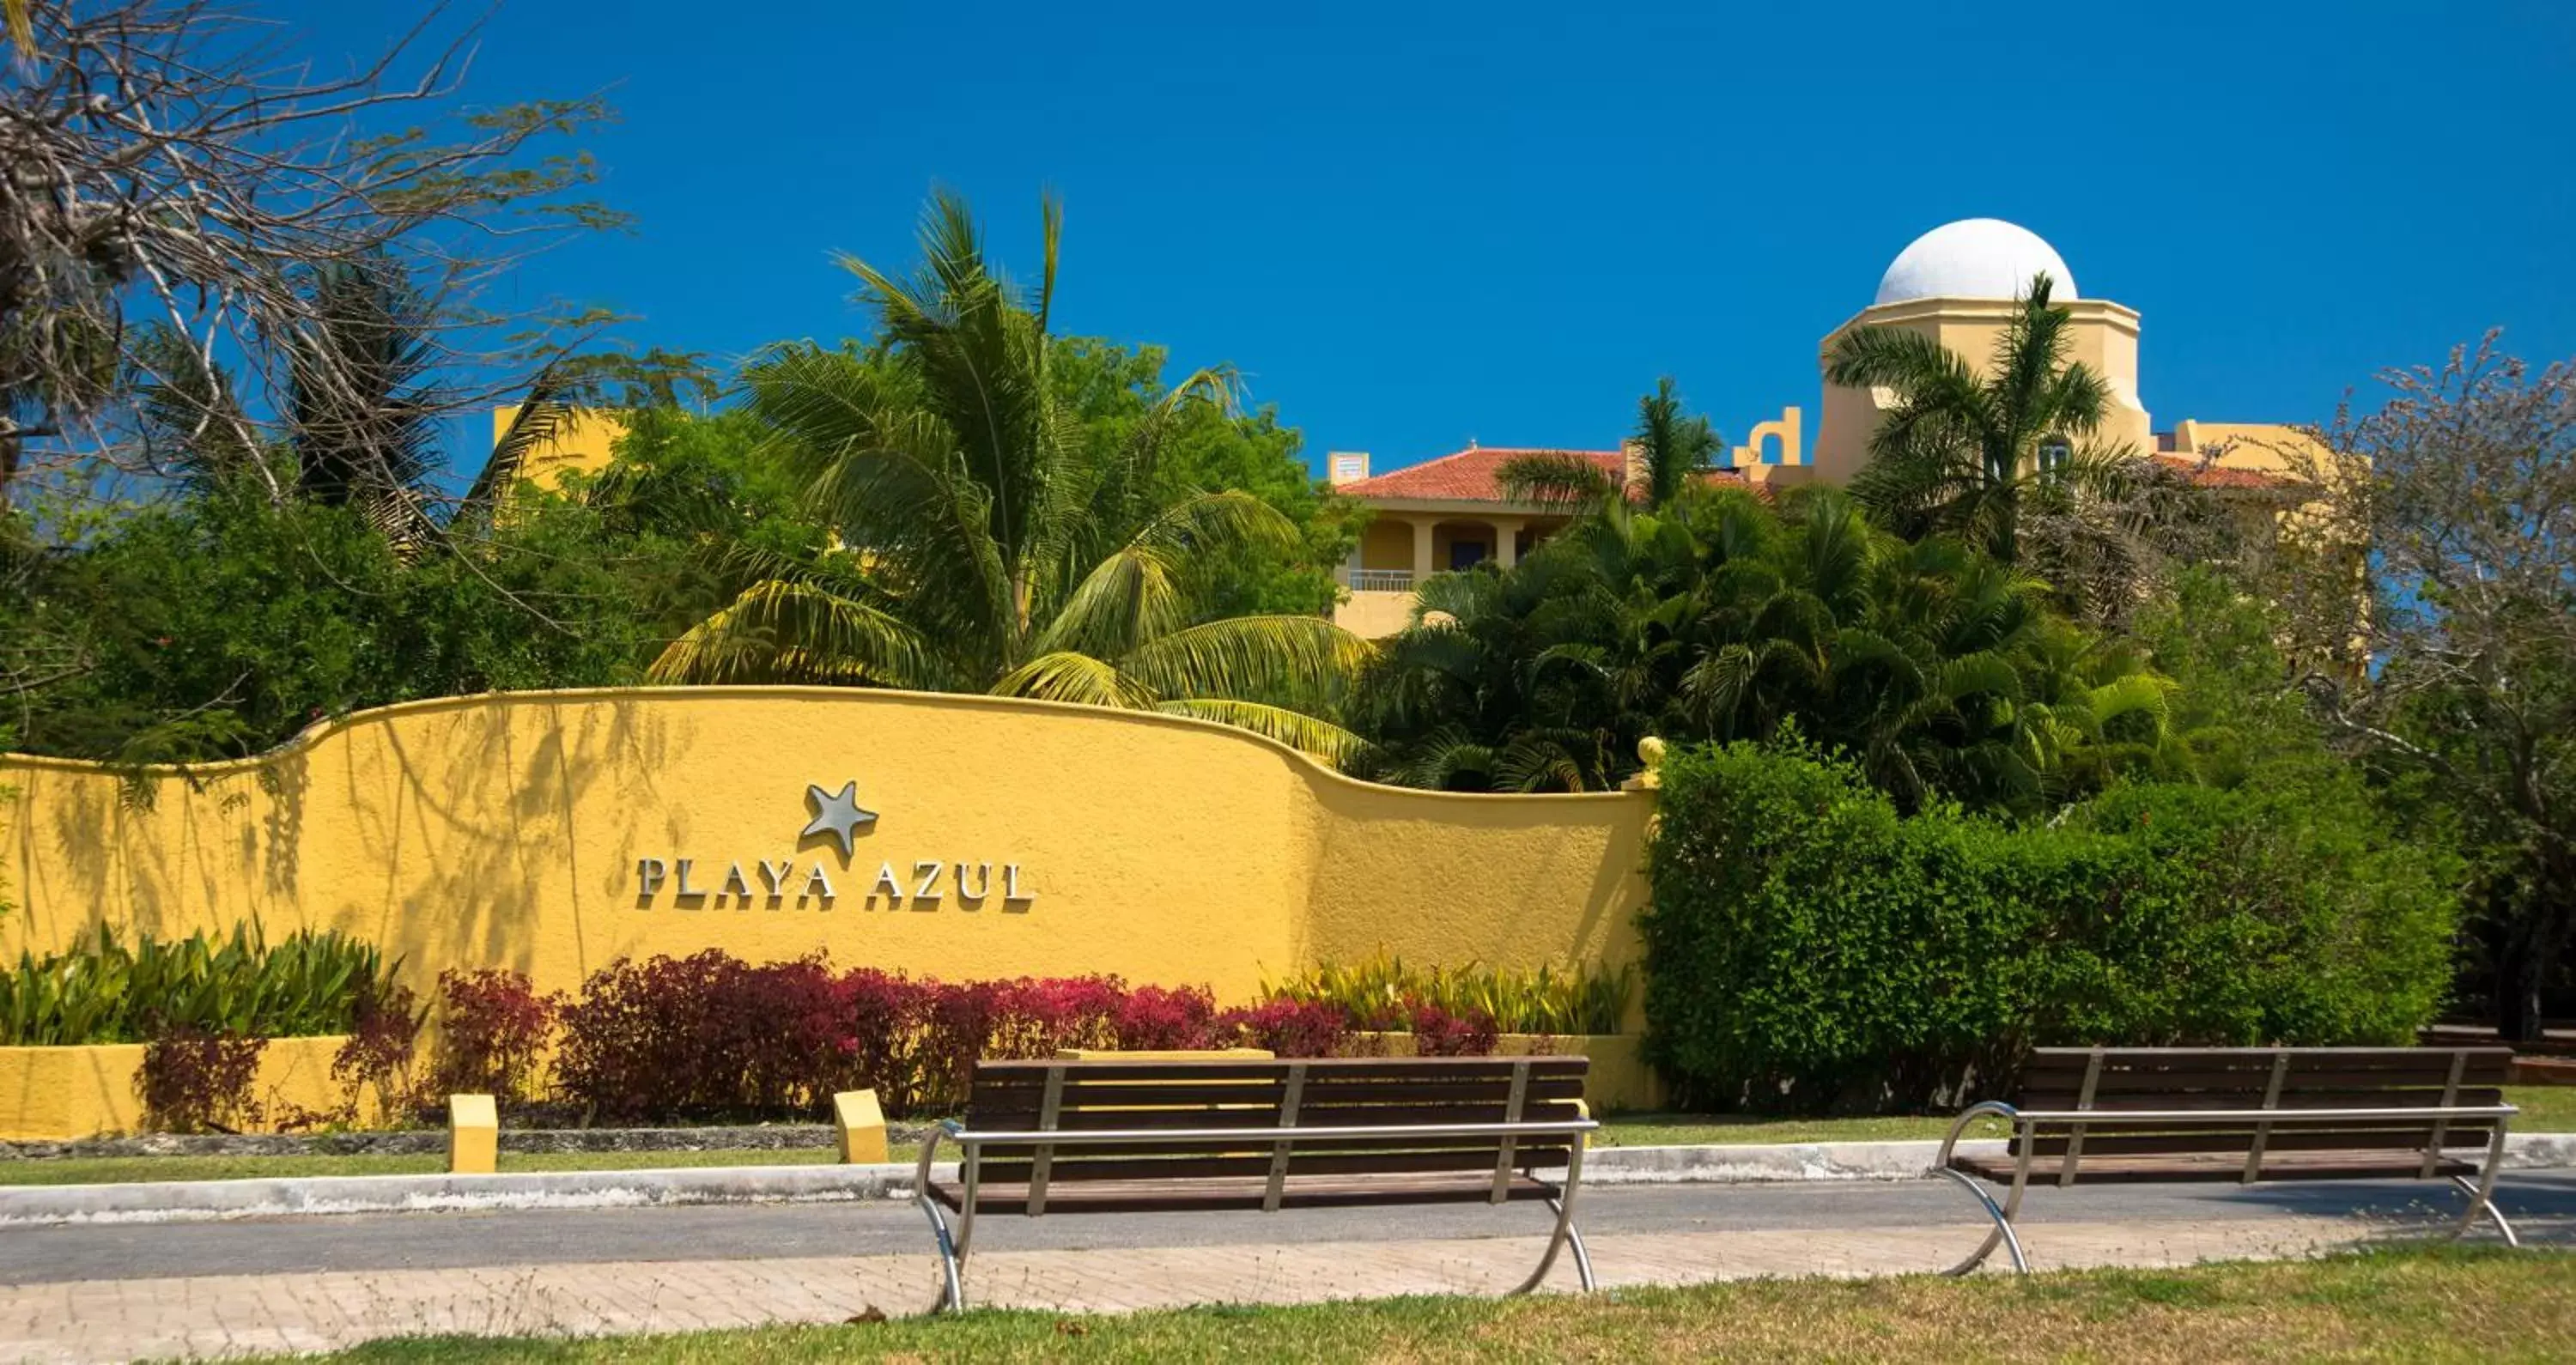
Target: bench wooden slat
{"x": 2061, "y": 1056}
{"x": 2323, "y": 1165}
{"x": 1082, "y": 1094}
{"x": 1199, "y": 1167}
{"x": 1161, "y": 1196}
{"x": 1018, "y": 1151}
{"x": 2241, "y": 1141}
{"x": 2342, "y": 1098}
{"x": 1309, "y": 1115}
{"x": 1321, "y": 1070}
{"x": 2253, "y": 1080}
{"x": 2064, "y": 1062}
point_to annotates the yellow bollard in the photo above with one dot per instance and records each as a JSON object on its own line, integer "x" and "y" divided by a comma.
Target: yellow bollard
{"x": 473, "y": 1135}
{"x": 860, "y": 1121}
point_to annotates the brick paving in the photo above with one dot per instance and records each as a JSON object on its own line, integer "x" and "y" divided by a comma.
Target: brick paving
{"x": 231, "y": 1315}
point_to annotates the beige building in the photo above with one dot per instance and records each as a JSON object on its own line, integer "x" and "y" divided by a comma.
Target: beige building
{"x": 1958, "y": 284}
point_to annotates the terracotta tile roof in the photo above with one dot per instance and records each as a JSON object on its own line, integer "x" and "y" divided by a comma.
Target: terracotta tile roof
{"x": 1469, "y": 475}
{"x": 2220, "y": 476}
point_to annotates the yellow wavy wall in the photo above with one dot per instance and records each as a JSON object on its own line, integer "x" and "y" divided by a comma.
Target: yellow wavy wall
{"x": 506, "y": 830}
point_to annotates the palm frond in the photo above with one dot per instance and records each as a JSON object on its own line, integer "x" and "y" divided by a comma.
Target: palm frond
{"x": 1555, "y": 478}
{"x": 545, "y": 416}
{"x": 784, "y": 631}
{"x": 1308, "y": 735}
{"x": 1306, "y": 658}
{"x": 1676, "y": 445}
{"x": 192, "y": 420}
{"x": 1068, "y": 676}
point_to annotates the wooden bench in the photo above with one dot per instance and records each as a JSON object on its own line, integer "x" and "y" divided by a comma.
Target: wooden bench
{"x": 1137, "y": 1136}
{"x": 2241, "y": 1114}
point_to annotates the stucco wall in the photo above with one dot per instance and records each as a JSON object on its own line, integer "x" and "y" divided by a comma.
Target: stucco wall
{"x": 50, "y": 1094}
{"x": 506, "y": 831}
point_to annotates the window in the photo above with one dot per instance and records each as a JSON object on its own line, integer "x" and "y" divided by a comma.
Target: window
{"x": 2055, "y": 453}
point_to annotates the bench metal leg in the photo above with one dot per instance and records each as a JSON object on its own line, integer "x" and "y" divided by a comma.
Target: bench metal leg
{"x": 2481, "y": 1200}
{"x": 952, "y": 1266}
{"x": 1562, "y": 1205}
{"x": 952, "y": 1248}
{"x": 2003, "y": 1232}
{"x": 1564, "y": 1234}
{"x": 1582, "y": 1258}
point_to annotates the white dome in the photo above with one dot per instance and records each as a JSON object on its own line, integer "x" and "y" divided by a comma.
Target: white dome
{"x": 1974, "y": 258}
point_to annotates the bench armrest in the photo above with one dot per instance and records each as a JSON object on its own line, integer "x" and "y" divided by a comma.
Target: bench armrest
{"x": 1981, "y": 1109}
{"x": 945, "y": 1128}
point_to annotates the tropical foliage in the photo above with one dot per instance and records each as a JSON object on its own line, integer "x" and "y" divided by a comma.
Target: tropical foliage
{"x": 108, "y": 991}
{"x": 1968, "y": 454}
{"x": 1939, "y": 668}
{"x": 985, "y": 543}
{"x": 1811, "y": 948}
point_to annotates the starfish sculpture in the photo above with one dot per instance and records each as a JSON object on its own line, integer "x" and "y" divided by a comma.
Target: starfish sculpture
{"x": 837, "y": 814}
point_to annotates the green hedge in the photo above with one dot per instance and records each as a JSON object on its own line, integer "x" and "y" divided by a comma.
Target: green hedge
{"x": 1809, "y": 949}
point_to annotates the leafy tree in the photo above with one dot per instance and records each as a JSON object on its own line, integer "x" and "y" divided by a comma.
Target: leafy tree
{"x": 1111, "y": 390}
{"x": 988, "y": 543}
{"x": 1962, "y": 454}
{"x": 2464, "y": 485}
{"x": 219, "y": 625}
{"x": 200, "y": 175}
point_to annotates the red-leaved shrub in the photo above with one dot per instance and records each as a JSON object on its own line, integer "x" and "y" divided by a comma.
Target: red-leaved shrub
{"x": 1037, "y": 1017}
{"x": 886, "y": 1014}
{"x": 198, "y": 1082}
{"x": 493, "y": 1028}
{"x": 1438, "y": 1033}
{"x": 1289, "y": 1028}
{"x": 1157, "y": 1019}
{"x": 384, "y": 1036}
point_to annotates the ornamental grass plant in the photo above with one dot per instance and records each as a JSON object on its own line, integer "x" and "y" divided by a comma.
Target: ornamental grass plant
{"x": 1383, "y": 994}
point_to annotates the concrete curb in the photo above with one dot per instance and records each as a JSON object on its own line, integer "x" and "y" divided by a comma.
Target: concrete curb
{"x": 199, "y": 1200}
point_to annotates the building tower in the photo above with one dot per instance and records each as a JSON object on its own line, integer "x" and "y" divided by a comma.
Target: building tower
{"x": 1958, "y": 284}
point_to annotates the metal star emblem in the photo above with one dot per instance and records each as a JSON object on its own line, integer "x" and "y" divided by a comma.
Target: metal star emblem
{"x": 837, "y": 814}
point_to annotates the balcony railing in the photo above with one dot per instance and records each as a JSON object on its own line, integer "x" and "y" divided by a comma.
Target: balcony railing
{"x": 1381, "y": 580}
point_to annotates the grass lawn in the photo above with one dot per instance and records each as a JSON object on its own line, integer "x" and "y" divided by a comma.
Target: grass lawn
{"x": 2449, "y": 1305}
{"x": 2545, "y": 1109}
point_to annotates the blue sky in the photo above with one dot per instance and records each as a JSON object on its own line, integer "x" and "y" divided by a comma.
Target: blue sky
{"x": 1411, "y": 224}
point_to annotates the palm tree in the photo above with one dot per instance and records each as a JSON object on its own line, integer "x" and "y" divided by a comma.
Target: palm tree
{"x": 1936, "y": 666}
{"x": 1959, "y": 453}
{"x": 358, "y": 421}
{"x": 1674, "y": 447}
{"x": 986, "y": 546}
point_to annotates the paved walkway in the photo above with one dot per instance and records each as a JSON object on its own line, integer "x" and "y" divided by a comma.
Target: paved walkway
{"x": 112, "y": 1293}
